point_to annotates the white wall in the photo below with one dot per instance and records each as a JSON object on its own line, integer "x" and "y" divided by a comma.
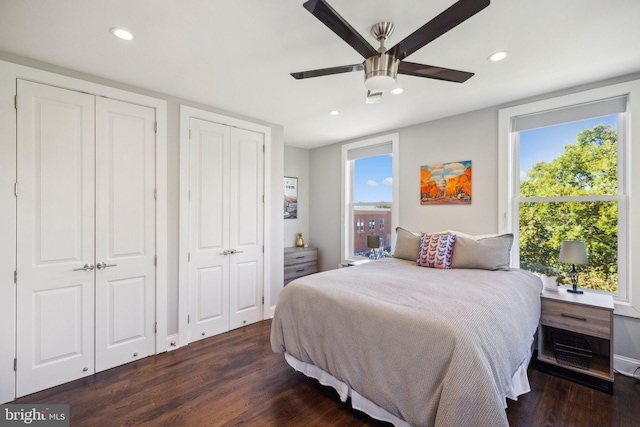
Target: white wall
{"x": 275, "y": 169}
{"x": 296, "y": 164}
{"x": 470, "y": 136}
{"x": 325, "y": 216}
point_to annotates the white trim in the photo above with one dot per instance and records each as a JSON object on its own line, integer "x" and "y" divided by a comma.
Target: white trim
{"x": 506, "y": 174}
{"x": 186, "y": 113}
{"x": 172, "y": 341}
{"x": 9, "y": 73}
{"x": 346, "y": 174}
{"x": 625, "y": 365}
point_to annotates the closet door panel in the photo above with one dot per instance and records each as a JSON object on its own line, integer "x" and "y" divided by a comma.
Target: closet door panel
{"x": 208, "y": 229}
{"x": 125, "y": 232}
{"x": 246, "y": 226}
{"x": 55, "y": 236}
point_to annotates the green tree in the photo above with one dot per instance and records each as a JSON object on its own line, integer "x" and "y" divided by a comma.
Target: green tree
{"x": 588, "y": 167}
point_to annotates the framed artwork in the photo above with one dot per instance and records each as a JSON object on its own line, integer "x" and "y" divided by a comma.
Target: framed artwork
{"x": 446, "y": 183}
{"x": 290, "y": 197}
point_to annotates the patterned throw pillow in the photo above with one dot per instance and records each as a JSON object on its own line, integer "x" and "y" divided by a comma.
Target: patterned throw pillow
{"x": 436, "y": 250}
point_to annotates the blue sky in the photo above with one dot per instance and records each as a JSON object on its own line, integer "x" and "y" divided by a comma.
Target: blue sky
{"x": 545, "y": 144}
{"x": 372, "y": 179}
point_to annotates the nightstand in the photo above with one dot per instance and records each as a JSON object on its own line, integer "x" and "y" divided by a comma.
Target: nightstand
{"x": 576, "y": 335}
{"x": 299, "y": 262}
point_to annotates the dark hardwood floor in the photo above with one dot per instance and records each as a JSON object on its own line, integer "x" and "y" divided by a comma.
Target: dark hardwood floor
{"x": 235, "y": 379}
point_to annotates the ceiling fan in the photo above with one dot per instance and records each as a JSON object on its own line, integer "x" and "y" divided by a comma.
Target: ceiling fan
{"x": 381, "y": 66}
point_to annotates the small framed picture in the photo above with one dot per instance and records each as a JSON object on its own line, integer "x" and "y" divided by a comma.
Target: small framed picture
{"x": 290, "y": 197}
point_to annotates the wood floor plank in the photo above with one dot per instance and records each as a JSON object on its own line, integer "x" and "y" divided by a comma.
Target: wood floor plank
{"x": 234, "y": 379}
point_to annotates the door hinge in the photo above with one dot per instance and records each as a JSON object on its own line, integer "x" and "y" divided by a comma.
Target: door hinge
{"x": 189, "y": 195}
{"x": 155, "y": 194}
{"x": 15, "y": 276}
{"x": 15, "y": 102}
{"x": 189, "y": 133}
{"x": 263, "y": 198}
{"x": 15, "y": 365}
{"x": 263, "y": 148}
{"x": 188, "y": 319}
{"x": 155, "y": 260}
{"x": 155, "y": 127}
{"x": 262, "y": 299}
{"x": 262, "y": 248}
{"x": 15, "y": 189}
{"x": 188, "y": 256}
{"x": 155, "y": 328}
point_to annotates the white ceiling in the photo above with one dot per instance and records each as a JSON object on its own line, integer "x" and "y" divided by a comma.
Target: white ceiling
{"x": 236, "y": 55}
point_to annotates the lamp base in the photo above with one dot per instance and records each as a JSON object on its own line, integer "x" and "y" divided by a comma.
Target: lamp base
{"x": 575, "y": 291}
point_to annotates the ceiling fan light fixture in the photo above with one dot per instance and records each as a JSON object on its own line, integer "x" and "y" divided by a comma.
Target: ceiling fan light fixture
{"x": 380, "y": 72}
{"x": 334, "y": 112}
{"x": 397, "y": 90}
{"x": 379, "y": 83}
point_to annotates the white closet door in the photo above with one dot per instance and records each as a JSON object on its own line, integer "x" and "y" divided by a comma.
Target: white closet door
{"x": 125, "y": 233}
{"x": 208, "y": 229}
{"x": 55, "y": 235}
{"x": 246, "y": 227}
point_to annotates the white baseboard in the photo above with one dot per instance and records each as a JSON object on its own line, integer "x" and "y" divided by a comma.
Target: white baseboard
{"x": 173, "y": 342}
{"x": 271, "y": 311}
{"x": 625, "y": 365}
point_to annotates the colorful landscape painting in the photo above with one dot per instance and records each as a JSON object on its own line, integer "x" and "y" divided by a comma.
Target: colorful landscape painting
{"x": 446, "y": 183}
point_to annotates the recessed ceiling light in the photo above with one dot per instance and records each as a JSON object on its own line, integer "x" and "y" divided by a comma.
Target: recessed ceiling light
{"x": 397, "y": 90}
{"x": 334, "y": 112}
{"x": 498, "y": 56}
{"x": 122, "y": 34}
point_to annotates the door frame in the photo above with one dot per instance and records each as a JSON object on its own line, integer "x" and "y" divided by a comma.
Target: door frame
{"x": 186, "y": 114}
{"x": 9, "y": 73}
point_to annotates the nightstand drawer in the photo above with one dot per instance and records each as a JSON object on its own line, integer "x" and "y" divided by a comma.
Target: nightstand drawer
{"x": 577, "y": 318}
{"x": 300, "y": 256}
{"x": 299, "y": 270}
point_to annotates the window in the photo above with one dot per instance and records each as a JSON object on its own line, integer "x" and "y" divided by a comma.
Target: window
{"x": 369, "y": 188}
{"x": 568, "y": 190}
{"x": 564, "y": 174}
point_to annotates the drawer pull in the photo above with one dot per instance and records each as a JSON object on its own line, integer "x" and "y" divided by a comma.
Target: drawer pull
{"x": 299, "y": 271}
{"x": 584, "y": 319}
{"x": 300, "y": 257}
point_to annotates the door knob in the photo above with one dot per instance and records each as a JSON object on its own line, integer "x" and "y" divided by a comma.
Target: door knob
{"x": 86, "y": 267}
{"x": 103, "y": 265}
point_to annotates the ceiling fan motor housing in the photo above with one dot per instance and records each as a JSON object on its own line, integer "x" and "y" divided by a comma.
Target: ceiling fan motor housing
{"x": 380, "y": 72}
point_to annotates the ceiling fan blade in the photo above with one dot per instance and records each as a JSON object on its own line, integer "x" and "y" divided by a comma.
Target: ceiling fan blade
{"x": 327, "y": 71}
{"x": 431, "y": 72}
{"x": 453, "y": 16}
{"x": 329, "y": 17}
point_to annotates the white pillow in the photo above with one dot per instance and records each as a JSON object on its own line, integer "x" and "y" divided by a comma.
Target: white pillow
{"x": 486, "y": 252}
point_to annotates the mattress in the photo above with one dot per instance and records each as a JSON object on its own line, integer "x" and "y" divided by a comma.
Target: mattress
{"x": 423, "y": 346}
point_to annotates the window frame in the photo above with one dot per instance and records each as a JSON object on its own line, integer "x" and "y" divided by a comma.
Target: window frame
{"x": 628, "y": 231}
{"x": 347, "y": 173}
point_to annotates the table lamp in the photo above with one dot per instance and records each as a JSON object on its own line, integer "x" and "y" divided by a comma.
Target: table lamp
{"x": 573, "y": 252}
{"x": 373, "y": 243}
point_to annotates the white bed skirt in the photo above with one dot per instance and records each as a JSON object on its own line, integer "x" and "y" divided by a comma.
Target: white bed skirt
{"x": 519, "y": 386}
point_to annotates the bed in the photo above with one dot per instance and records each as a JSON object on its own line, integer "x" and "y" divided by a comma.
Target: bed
{"x": 411, "y": 345}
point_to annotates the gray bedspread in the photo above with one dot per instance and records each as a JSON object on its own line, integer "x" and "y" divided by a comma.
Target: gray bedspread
{"x": 432, "y": 347}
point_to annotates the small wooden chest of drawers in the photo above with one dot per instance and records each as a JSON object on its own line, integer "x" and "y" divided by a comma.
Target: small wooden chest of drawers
{"x": 299, "y": 262}
{"x": 586, "y": 323}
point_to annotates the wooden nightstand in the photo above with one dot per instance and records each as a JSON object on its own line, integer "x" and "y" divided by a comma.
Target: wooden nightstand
{"x": 576, "y": 334}
{"x": 299, "y": 262}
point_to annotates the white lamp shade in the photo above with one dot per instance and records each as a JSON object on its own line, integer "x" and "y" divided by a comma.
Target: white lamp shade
{"x": 573, "y": 252}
